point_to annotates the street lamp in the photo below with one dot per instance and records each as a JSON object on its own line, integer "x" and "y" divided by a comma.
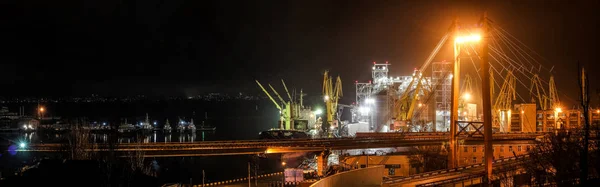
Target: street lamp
{"x": 558, "y": 110}
{"x": 283, "y": 166}
{"x": 470, "y": 38}
{"x": 467, "y": 96}
{"x": 41, "y": 113}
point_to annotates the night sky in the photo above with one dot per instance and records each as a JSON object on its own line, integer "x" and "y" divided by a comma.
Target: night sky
{"x": 170, "y": 47}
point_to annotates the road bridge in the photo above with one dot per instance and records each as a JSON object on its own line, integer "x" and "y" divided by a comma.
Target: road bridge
{"x": 211, "y": 148}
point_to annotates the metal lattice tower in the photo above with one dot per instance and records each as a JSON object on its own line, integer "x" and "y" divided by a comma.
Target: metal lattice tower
{"x": 380, "y": 76}
{"x": 363, "y": 91}
{"x": 441, "y": 73}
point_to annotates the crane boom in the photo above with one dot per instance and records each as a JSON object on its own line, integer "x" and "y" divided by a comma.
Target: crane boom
{"x": 419, "y": 80}
{"x": 286, "y": 90}
{"x": 269, "y": 95}
{"x": 554, "y": 100}
{"x": 277, "y": 94}
{"x": 536, "y": 84}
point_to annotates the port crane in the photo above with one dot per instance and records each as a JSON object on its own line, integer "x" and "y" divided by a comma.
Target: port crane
{"x": 331, "y": 95}
{"x": 404, "y": 105}
{"x": 292, "y": 113}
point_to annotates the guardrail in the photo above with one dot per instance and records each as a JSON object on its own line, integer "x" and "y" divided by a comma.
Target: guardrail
{"x": 238, "y": 180}
{"x": 324, "y": 143}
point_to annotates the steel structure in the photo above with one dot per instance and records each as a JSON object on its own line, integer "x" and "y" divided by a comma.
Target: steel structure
{"x": 208, "y": 148}
{"x": 441, "y": 72}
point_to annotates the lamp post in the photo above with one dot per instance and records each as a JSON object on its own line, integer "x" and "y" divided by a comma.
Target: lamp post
{"x": 283, "y": 173}
{"x": 487, "y": 115}
{"x": 41, "y": 113}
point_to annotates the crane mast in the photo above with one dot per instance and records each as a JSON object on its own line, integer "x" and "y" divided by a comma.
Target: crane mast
{"x": 331, "y": 95}
{"x": 536, "y": 86}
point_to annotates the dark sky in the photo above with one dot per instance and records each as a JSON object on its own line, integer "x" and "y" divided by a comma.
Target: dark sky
{"x": 171, "y": 47}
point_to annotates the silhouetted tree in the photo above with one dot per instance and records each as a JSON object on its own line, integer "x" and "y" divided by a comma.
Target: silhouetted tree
{"x": 429, "y": 158}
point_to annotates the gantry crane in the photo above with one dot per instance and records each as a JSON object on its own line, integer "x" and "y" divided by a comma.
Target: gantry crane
{"x": 331, "y": 95}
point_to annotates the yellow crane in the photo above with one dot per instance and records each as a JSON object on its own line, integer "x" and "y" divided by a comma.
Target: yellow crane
{"x": 404, "y": 104}
{"x": 554, "y": 101}
{"x": 538, "y": 91}
{"x": 507, "y": 93}
{"x": 285, "y": 117}
{"x": 331, "y": 95}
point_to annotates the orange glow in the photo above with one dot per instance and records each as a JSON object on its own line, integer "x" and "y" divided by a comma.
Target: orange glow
{"x": 558, "y": 109}
{"x": 42, "y": 109}
{"x": 470, "y": 38}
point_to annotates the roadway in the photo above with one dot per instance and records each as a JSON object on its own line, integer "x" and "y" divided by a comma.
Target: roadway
{"x": 434, "y": 178}
{"x": 211, "y": 148}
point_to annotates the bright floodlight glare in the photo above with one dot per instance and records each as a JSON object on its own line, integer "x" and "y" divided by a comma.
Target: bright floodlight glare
{"x": 22, "y": 145}
{"x": 25, "y": 126}
{"x": 470, "y": 38}
{"x": 370, "y": 101}
{"x": 318, "y": 112}
{"x": 558, "y": 109}
{"x": 467, "y": 96}
{"x": 364, "y": 110}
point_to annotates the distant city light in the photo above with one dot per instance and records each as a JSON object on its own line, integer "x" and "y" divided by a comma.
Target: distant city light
{"x": 326, "y": 97}
{"x": 155, "y": 123}
{"x": 103, "y": 123}
{"x": 42, "y": 109}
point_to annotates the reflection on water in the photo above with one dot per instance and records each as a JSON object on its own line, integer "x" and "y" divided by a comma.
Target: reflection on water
{"x": 149, "y": 137}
